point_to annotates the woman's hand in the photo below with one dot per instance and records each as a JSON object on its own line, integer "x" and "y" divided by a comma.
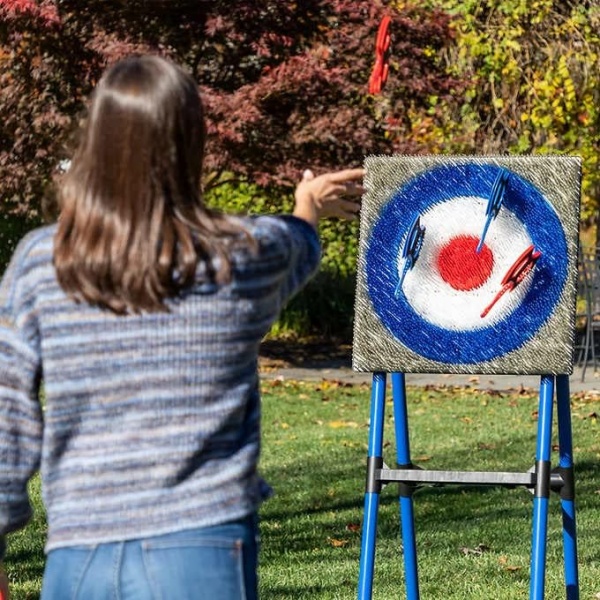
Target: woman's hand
{"x": 3, "y": 584}
{"x": 335, "y": 194}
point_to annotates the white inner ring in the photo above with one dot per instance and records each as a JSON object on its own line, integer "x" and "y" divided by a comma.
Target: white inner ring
{"x": 439, "y": 303}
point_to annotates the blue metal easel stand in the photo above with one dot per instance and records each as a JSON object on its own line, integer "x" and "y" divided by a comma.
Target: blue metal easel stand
{"x": 407, "y": 518}
{"x": 542, "y": 480}
{"x": 373, "y": 487}
{"x": 542, "y": 489}
{"x": 567, "y": 491}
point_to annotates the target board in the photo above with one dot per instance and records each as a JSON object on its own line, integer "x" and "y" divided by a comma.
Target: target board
{"x": 467, "y": 265}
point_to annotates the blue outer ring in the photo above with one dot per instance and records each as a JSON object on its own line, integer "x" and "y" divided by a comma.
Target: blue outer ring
{"x": 438, "y": 185}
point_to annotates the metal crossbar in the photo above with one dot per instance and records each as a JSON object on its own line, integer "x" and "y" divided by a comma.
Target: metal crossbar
{"x": 507, "y": 479}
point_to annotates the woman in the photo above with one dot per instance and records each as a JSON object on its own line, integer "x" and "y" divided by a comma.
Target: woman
{"x": 144, "y": 311}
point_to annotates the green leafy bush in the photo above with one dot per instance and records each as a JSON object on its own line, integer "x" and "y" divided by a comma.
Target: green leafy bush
{"x": 12, "y": 229}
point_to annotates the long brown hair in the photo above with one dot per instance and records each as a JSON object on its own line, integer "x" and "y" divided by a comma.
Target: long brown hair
{"x": 133, "y": 226}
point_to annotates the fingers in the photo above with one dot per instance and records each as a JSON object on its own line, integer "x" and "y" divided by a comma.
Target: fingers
{"x": 342, "y": 177}
{"x": 336, "y": 190}
{"x": 333, "y": 194}
{"x": 348, "y": 209}
{"x": 342, "y": 209}
{"x": 332, "y": 184}
{"x": 346, "y": 175}
{"x": 353, "y": 189}
{"x": 340, "y": 182}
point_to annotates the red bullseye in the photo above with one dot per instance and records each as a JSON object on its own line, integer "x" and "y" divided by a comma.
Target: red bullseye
{"x": 461, "y": 267}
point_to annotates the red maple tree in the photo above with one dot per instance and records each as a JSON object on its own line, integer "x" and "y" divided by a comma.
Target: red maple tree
{"x": 285, "y": 84}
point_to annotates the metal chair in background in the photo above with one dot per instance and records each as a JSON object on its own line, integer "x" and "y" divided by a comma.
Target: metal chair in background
{"x": 588, "y": 312}
{"x": 593, "y": 274}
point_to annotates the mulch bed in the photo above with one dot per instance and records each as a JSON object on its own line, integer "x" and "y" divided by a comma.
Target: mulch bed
{"x": 306, "y": 353}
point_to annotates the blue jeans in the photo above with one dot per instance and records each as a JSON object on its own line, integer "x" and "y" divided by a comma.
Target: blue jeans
{"x": 216, "y": 563}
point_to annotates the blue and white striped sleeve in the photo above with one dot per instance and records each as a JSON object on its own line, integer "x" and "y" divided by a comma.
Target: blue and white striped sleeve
{"x": 304, "y": 254}
{"x": 20, "y": 411}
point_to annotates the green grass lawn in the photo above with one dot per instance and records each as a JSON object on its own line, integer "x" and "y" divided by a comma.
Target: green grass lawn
{"x": 471, "y": 543}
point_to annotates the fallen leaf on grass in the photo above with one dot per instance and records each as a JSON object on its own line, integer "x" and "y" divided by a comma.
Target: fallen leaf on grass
{"x": 484, "y": 446}
{"x": 332, "y": 384}
{"x": 277, "y": 382}
{"x": 348, "y": 444}
{"x": 526, "y": 392}
{"x": 354, "y": 527}
{"x": 340, "y": 424}
{"x": 338, "y": 543}
{"x": 477, "y": 551}
{"x": 591, "y": 395}
{"x": 423, "y": 458}
{"x": 503, "y": 560}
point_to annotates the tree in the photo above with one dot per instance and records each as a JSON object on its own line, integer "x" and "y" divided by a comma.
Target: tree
{"x": 284, "y": 83}
{"x": 532, "y": 68}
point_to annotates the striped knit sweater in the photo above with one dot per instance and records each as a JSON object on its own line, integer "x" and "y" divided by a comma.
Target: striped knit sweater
{"x": 150, "y": 422}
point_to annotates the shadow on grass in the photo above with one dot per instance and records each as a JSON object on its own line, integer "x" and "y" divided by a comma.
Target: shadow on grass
{"x": 451, "y": 520}
{"x": 437, "y": 507}
{"x": 31, "y": 562}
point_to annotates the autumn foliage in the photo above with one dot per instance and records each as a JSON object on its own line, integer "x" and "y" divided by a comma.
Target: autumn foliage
{"x": 284, "y": 83}
{"x": 531, "y": 70}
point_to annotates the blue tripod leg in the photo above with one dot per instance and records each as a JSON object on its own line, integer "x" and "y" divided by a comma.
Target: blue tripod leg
{"x": 373, "y": 488}
{"x": 567, "y": 493}
{"x": 407, "y": 518}
{"x": 542, "y": 489}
